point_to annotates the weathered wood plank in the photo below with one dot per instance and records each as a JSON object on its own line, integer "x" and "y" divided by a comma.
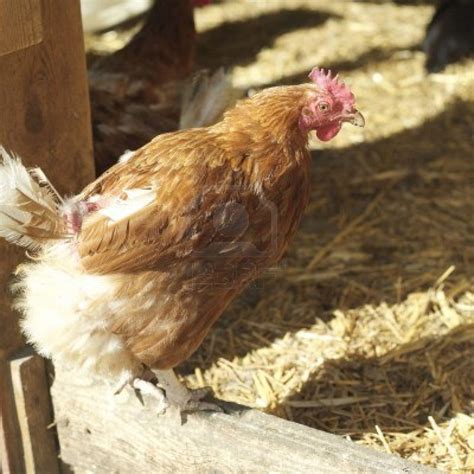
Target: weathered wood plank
{"x": 34, "y": 412}
{"x": 44, "y": 118}
{"x": 11, "y": 452}
{"x": 21, "y": 25}
{"x": 100, "y": 432}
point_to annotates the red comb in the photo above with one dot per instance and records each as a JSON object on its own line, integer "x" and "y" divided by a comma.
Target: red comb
{"x": 332, "y": 84}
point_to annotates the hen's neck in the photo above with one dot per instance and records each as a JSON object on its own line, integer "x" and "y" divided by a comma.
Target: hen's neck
{"x": 274, "y": 112}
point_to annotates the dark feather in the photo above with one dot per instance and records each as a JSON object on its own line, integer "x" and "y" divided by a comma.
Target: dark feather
{"x": 450, "y": 34}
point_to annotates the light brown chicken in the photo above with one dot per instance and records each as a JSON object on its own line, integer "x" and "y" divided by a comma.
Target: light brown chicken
{"x": 159, "y": 245}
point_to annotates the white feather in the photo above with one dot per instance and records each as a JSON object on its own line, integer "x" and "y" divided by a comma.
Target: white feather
{"x": 136, "y": 200}
{"x": 206, "y": 99}
{"x": 126, "y": 155}
{"x": 29, "y": 212}
{"x": 66, "y": 313}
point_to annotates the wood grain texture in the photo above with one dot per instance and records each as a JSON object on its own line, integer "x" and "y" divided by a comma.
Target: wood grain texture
{"x": 21, "y": 25}
{"x": 44, "y": 118}
{"x": 34, "y": 412}
{"x": 100, "y": 432}
{"x": 11, "y": 451}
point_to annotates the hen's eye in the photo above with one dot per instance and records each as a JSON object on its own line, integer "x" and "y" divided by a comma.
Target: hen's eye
{"x": 323, "y": 106}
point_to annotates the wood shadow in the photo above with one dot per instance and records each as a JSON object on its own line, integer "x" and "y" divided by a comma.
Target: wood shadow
{"x": 372, "y": 56}
{"x": 398, "y": 391}
{"x": 239, "y": 42}
{"x": 401, "y": 2}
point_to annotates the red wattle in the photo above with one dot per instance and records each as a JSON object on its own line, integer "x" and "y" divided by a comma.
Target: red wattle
{"x": 328, "y": 132}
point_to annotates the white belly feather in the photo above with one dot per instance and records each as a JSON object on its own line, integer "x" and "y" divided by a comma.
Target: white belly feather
{"x": 66, "y": 313}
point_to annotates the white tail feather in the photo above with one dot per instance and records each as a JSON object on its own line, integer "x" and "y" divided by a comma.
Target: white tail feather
{"x": 206, "y": 99}
{"x": 29, "y": 205}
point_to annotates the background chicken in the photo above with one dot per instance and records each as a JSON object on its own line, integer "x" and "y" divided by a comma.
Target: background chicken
{"x": 134, "y": 271}
{"x": 137, "y": 92}
{"x": 450, "y": 34}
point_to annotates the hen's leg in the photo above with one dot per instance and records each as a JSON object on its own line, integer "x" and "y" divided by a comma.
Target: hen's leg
{"x": 149, "y": 388}
{"x": 179, "y": 395}
{"x": 145, "y": 384}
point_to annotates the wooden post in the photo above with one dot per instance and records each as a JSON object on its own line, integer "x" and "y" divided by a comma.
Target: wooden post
{"x": 45, "y": 119}
{"x": 101, "y": 432}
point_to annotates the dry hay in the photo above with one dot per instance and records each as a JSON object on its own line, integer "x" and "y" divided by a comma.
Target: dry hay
{"x": 366, "y": 329}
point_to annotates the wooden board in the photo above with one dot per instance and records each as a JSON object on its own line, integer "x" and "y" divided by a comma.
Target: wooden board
{"x": 34, "y": 412}
{"x": 21, "y": 25}
{"x": 11, "y": 452}
{"x": 101, "y": 432}
{"x": 44, "y": 118}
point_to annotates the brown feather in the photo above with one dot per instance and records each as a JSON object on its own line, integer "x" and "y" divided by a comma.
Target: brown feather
{"x": 210, "y": 229}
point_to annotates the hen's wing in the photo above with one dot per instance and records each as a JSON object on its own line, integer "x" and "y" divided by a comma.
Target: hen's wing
{"x": 163, "y": 204}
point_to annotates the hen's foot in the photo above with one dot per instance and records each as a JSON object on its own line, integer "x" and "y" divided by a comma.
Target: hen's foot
{"x": 195, "y": 402}
{"x": 146, "y": 387}
{"x": 183, "y": 398}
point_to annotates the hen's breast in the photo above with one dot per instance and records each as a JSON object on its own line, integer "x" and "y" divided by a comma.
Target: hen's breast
{"x": 251, "y": 232}
{"x": 166, "y": 324}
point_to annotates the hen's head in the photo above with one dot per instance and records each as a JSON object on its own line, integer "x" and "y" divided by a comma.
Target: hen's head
{"x": 328, "y": 106}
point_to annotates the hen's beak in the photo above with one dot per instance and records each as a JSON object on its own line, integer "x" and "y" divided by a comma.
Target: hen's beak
{"x": 356, "y": 118}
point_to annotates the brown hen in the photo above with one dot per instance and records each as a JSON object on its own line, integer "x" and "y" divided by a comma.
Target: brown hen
{"x": 136, "y": 92}
{"x": 137, "y": 268}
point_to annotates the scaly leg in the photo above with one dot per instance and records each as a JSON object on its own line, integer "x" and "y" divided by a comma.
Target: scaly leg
{"x": 179, "y": 395}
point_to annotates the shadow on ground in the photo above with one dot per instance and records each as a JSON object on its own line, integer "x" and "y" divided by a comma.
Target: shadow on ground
{"x": 370, "y": 57}
{"x": 401, "y": 2}
{"x": 239, "y": 42}
{"x": 397, "y": 391}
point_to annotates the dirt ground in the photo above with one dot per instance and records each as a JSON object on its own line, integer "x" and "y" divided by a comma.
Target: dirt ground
{"x": 366, "y": 328}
